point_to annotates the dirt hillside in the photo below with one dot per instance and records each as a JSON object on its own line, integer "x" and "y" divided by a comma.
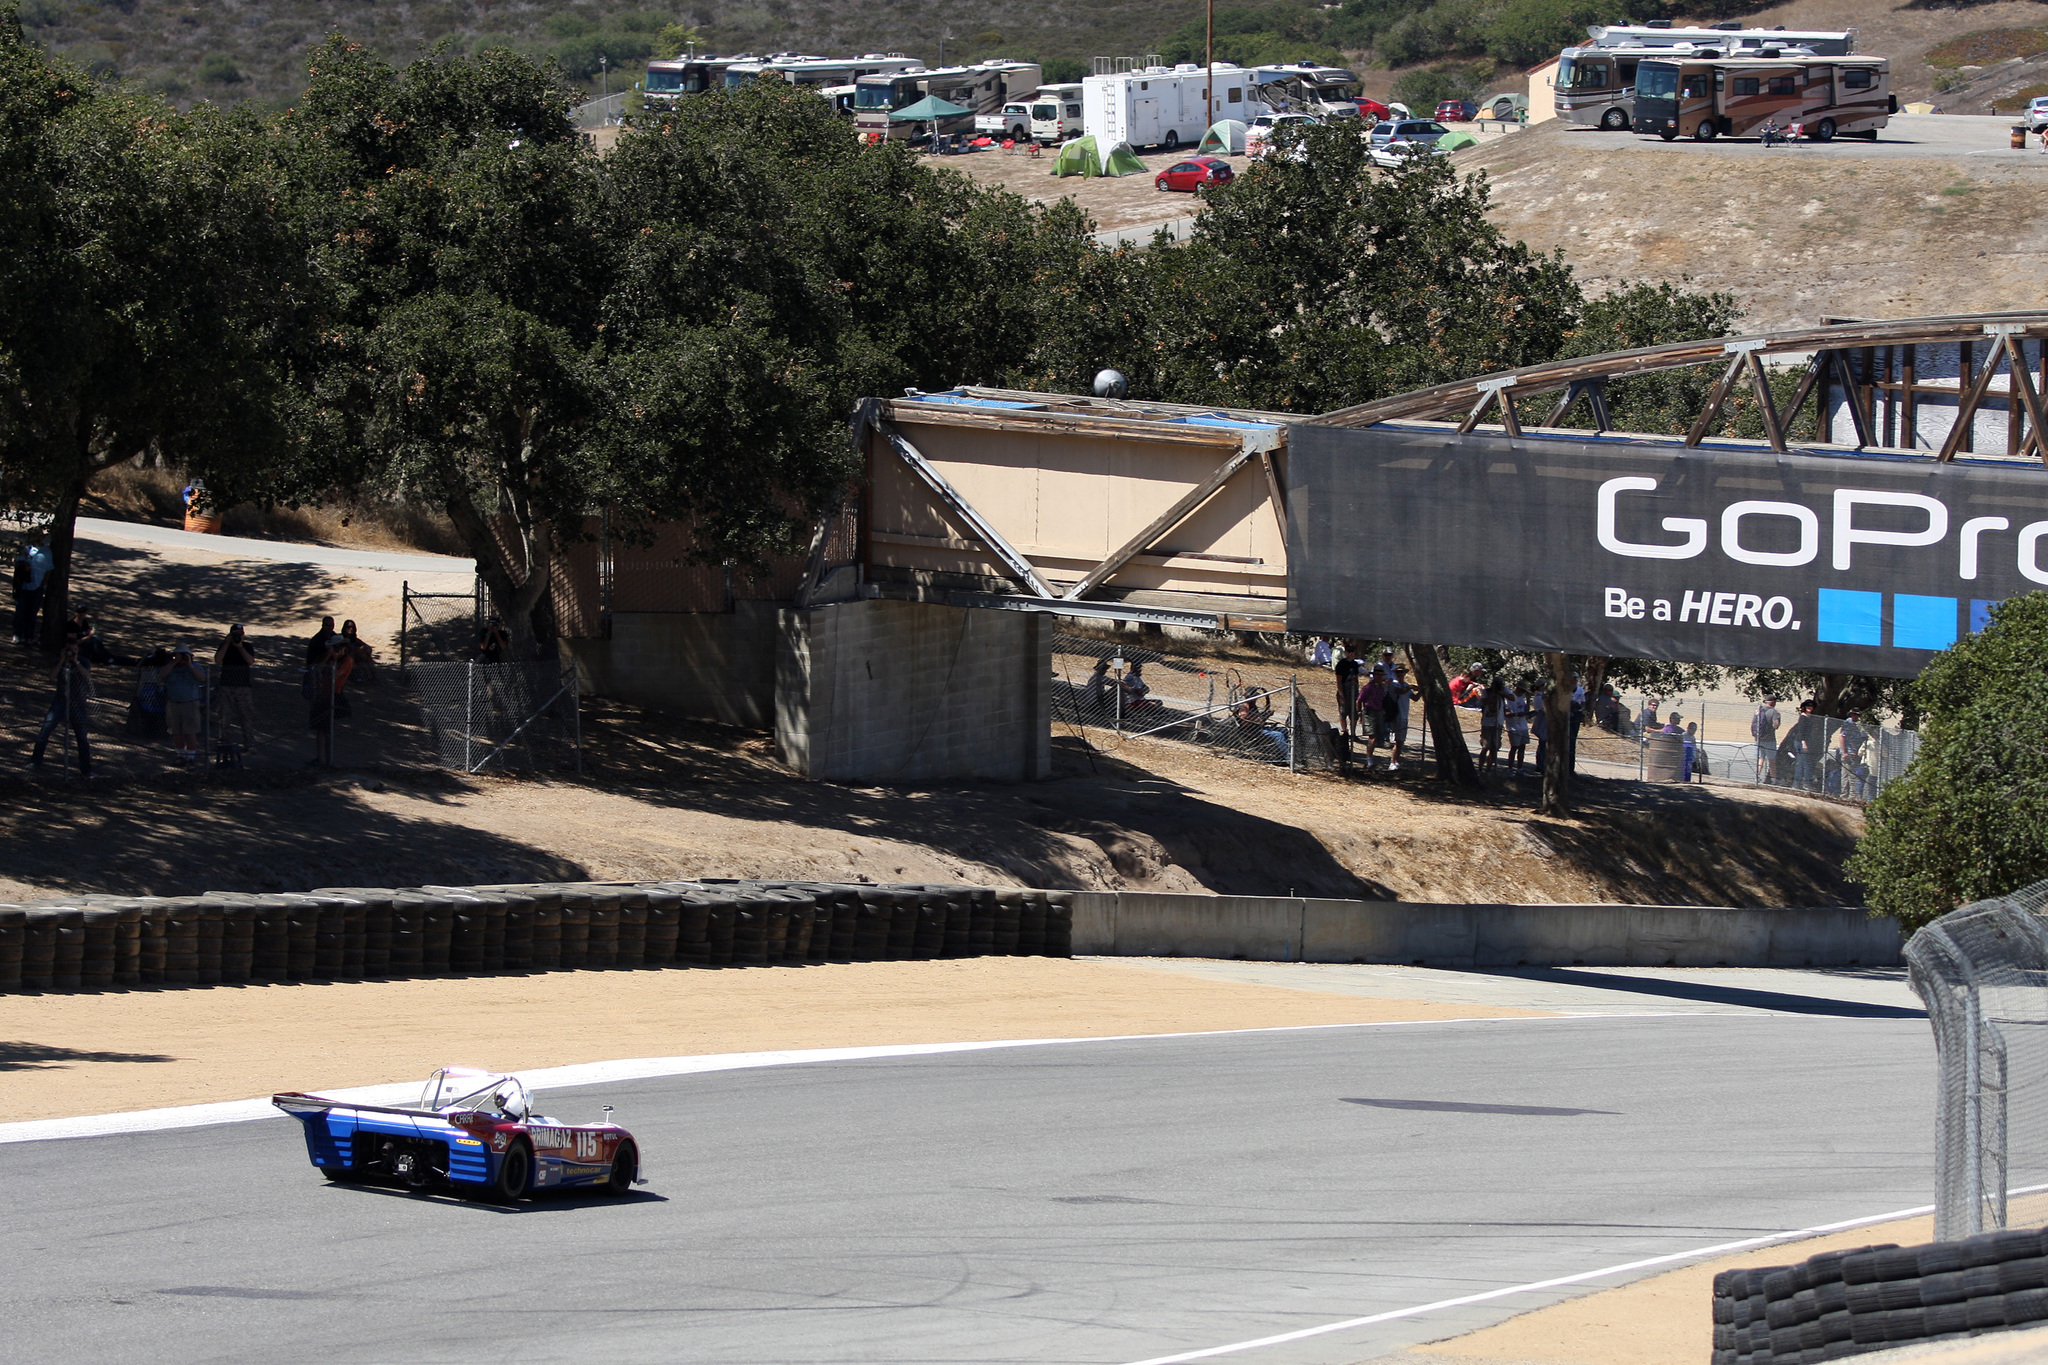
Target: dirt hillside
{"x": 1794, "y": 236}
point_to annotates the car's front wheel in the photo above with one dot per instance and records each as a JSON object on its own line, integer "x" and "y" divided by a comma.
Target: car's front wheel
{"x": 1172, "y": 142}
{"x": 1614, "y": 120}
{"x": 624, "y": 1162}
{"x": 1707, "y": 131}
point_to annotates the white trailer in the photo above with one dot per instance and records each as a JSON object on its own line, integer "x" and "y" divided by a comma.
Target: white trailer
{"x": 1162, "y": 106}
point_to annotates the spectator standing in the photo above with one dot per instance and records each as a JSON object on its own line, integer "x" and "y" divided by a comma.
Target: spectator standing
{"x": 1695, "y": 756}
{"x": 1850, "y": 747}
{"x": 184, "y": 683}
{"x": 70, "y": 705}
{"x": 1539, "y": 724}
{"x": 1647, "y": 722}
{"x": 236, "y": 693}
{"x": 495, "y": 645}
{"x": 1763, "y": 728}
{"x": 1372, "y": 711}
{"x": 1347, "y": 692}
{"x": 80, "y": 631}
{"x": 1099, "y": 683}
{"x": 316, "y": 648}
{"x": 1806, "y": 740}
{"x": 1492, "y": 702}
{"x": 1399, "y": 694}
{"x": 31, "y": 578}
{"x": 327, "y": 678}
{"x": 1515, "y": 715}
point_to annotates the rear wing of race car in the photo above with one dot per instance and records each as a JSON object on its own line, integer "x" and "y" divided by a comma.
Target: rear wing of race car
{"x": 297, "y": 1102}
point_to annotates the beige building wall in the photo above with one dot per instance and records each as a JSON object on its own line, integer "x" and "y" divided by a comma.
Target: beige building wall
{"x": 1542, "y": 103}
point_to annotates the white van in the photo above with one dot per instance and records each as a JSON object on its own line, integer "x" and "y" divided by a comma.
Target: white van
{"x": 1056, "y": 113}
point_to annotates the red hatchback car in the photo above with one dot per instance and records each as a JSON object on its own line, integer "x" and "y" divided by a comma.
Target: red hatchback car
{"x": 1192, "y": 175}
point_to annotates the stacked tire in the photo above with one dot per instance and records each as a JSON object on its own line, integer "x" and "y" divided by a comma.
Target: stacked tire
{"x": 1848, "y": 1303}
{"x": 348, "y": 933}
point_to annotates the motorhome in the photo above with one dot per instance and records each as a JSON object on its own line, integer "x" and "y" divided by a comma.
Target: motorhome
{"x": 1706, "y": 98}
{"x": 1309, "y": 88}
{"x": 799, "y": 69}
{"x": 980, "y": 89}
{"x": 1056, "y": 113}
{"x": 1595, "y": 82}
{"x": 669, "y": 81}
{"x": 1163, "y": 106}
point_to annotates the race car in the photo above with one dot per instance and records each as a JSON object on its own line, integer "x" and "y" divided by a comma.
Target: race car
{"x": 474, "y": 1131}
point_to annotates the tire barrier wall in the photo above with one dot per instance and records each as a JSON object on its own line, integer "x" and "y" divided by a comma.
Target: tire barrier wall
{"x": 345, "y": 933}
{"x": 1849, "y": 1303}
{"x": 1300, "y": 929}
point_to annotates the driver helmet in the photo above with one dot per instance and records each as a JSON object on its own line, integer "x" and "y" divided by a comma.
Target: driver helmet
{"x": 511, "y": 1103}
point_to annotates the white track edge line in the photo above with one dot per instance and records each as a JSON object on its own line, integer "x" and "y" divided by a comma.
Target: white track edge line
{"x": 655, "y": 1068}
{"x": 1725, "y": 1248}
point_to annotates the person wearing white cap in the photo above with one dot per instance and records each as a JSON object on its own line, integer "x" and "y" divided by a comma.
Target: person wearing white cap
{"x": 184, "y": 682}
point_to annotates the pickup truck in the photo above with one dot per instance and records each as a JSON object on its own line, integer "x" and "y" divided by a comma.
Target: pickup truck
{"x": 1013, "y": 123}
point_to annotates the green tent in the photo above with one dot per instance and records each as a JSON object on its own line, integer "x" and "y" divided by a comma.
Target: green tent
{"x": 1078, "y": 158}
{"x": 1450, "y": 142}
{"x": 1507, "y": 106}
{"x": 929, "y": 108}
{"x": 1224, "y": 138}
{"x": 1122, "y": 161}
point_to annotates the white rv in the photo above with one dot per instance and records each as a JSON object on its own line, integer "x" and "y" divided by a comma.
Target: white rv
{"x": 1056, "y": 113}
{"x": 800, "y": 69}
{"x": 981, "y": 89}
{"x": 1309, "y": 88}
{"x": 1163, "y": 106}
{"x": 1595, "y": 82}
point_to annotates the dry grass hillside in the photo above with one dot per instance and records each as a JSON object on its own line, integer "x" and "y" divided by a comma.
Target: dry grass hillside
{"x": 1794, "y": 236}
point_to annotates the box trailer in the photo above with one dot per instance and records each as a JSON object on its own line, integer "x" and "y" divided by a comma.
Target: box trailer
{"x": 1162, "y": 106}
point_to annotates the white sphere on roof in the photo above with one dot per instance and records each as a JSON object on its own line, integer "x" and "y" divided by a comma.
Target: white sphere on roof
{"x": 1111, "y": 384}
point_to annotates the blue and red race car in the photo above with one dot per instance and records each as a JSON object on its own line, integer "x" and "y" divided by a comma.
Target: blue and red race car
{"x": 474, "y": 1131}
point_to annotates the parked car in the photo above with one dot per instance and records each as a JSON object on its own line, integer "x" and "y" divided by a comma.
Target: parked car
{"x": 2037, "y": 113}
{"x": 1457, "y": 111}
{"x": 1392, "y": 154}
{"x": 1285, "y": 120}
{"x": 1013, "y": 123}
{"x": 1373, "y": 109}
{"x": 1407, "y": 130}
{"x": 1189, "y": 176}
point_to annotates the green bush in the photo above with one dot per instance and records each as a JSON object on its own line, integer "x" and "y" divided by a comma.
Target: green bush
{"x": 217, "y": 68}
{"x": 1530, "y": 31}
{"x": 1422, "y": 90}
{"x": 1969, "y": 819}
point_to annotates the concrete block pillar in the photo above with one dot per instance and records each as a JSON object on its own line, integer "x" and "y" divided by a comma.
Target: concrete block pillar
{"x": 888, "y": 691}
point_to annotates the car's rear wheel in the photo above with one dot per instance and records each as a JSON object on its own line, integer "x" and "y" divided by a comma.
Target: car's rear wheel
{"x": 1172, "y": 143}
{"x": 1614, "y": 120}
{"x": 515, "y": 1174}
{"x": 1824, "y": 131}
{"x": 625, "y": 1161}
{"x": 343, "y": 1175}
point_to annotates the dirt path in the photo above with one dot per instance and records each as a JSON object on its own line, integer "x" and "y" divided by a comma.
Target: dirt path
{"x": 89, "y": 1054}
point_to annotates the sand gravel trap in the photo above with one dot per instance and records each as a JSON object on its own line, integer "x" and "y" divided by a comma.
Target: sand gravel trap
{"x": 93, "y": 1054}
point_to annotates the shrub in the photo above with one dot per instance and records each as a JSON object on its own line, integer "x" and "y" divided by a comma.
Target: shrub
{"x": 217, "y": 68}
{"x": 1423, "y": 89}
{"x": 1987, "y": 46}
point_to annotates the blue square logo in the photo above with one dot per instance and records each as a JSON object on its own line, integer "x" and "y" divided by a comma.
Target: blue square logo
{"x": 1980, "y": 615}
{"x": 1851, "y": 618}
{"x": 1923, "y": 622}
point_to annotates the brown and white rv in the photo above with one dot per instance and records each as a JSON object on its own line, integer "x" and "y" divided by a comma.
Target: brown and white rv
{"x": 1706, "y": 98}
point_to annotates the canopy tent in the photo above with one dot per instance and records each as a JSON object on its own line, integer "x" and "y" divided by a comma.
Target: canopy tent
{"x": 1918, "y": 107}
{"x": 929, "y": 108}
{"x": 1122, "y": 161}
{"x": 1450, "y": 142}
{"x": 1078, "y": 158}
{"x": 1225, "y": 137}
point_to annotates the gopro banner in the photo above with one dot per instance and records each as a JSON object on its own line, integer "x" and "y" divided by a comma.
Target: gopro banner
{"x": 1838, "y": 564}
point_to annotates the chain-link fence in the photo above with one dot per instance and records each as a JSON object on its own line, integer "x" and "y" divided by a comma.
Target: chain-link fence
{"x": 483, "y": 717}
{"x": 1983, "y": 973}
{"x": 1110, "y": 692}
{"x": 1704, "y": 740}
{"x": 439, "y": 625}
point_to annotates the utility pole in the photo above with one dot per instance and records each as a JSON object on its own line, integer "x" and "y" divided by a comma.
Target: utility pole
{"x": 1209, "y": 82}
{"x": 604, "y": 68}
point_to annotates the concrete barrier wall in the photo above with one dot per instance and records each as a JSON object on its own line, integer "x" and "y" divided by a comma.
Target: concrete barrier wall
{"x": 1292, "y": 929}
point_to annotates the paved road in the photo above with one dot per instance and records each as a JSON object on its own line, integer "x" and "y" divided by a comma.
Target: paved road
{"x": 285, "y": 551}
{"x": 1959, "y": 137}
{"x": 1850, "y": 992}
{"x": 1107, "y": 1202}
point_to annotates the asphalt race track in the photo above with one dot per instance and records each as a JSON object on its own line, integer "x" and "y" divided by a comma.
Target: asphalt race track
{"x": 1097, "y": 1202}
